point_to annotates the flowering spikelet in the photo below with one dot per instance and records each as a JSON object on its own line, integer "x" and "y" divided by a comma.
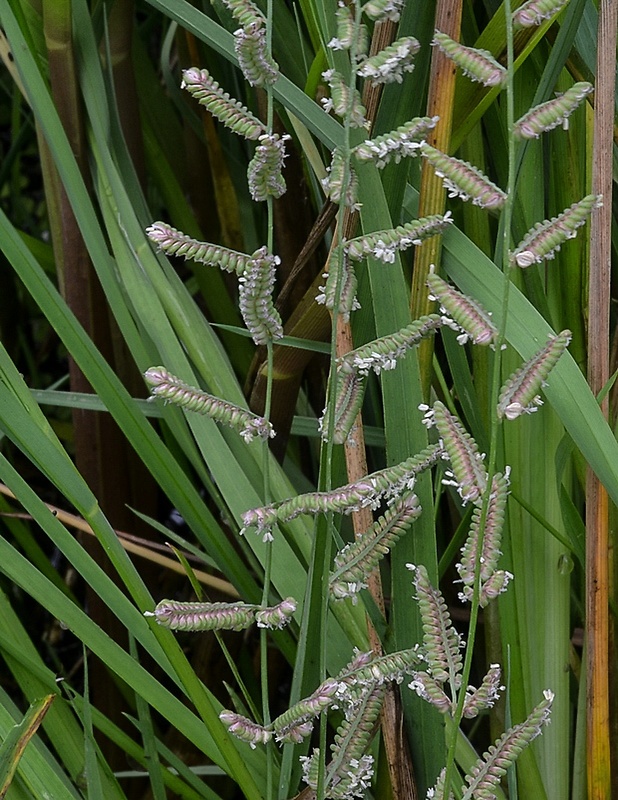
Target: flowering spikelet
{"x": 545, "y": 239}
{"x": 244, "y": 11}
{"x": 404, "y": 141}
{"x": 486, "y": 695}
{"x": 468, "y": 473}
{"x": 255, "y": 297}
{"x": 463, "y": 180}
{"x": 430, "y": 690}
{"x": 384, "y": 244}
{"x": 296, "y": 723}
{"x": 441, "y": 642}
{"x": 469, "y": 316}
{"x": 264, "y": 172}
{"x": 255, "y": 61}
{"x": 366, "y": 670}
{"x": 348, "y": 301}
{"x": 478, "y": 65}
{"x": 176, "y": 243}
{"x": 203, "y": 616}
{"x": 335, "y": 180}
{"x": 492, "y": 534}
{"x": 368, "y": 491}
{"x": 438, "y": 791}
{"x": 357, "y": 560}
{"x": 340, "y": 101}
{"x": 171, "y": 389}
{"x": 485, "y": 775}
{"x": 383, "y": 353}
{"x": 345, "y": 29}
{"x": 519, "y": 394}
{"x": 554, "y": 112}
{"x": 390, "y": 64}
{"x": 230, "y": 112}
{"x": 382, "y": 10}
{"x": 350, "y": 770}
{"x": 276, "y": 617}
{"x": 535, "y": 11}
{"x": 244, "y": 729}
{"x": 348, "y": 402}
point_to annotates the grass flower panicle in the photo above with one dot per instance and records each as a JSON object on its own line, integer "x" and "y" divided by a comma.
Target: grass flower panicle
{"x": 478, "y": 65}
{"x": 191, "y": 616}
{"x": 231, "y": 113}
{"x": 297, "y": 722}
{"x": 265, "y": 168}
{"x": 463, "y": 180}
{"x": 552, "y": 113}
{"x": 339, "y": 100}
{"x": 402, "y": 142}
{"x": 256, "y": 63}
{"x": 276, "y": 617}
{"x": 383, "y": 245}
{"x": 348, "y": 402}
{"x": 335, "y": 181}
{"x": 534, "y": 12}
{"x": 346, "y": 29}
{"x": 469, "y": 316}
{"x": 168, "y": 387}
{"x": 255, "y": 297}
{"x": 391, "y": 63}
{"x": 245, "y": 12}
{"x": 545, "y": 239}
{"x": 245, "y": 729}
{"x": 485, "y": 697}
{"x": 381, "y": 10}
{"x": 176, "y": 243}
{"x": 519, "y": 395}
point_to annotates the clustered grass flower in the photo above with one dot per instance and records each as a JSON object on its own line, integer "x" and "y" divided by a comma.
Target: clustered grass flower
{"x": 478, "y": 65}
{"x": 175, "y": 243}
{"x": 347, "y": 34}
{"x": 199, "y": 616}
{"x": 255, "y": 297}
{"x": 545, "y": 239}
{"x": 391, "y": 63}
{"x": 395, "y": 145}
{"x": 347, "y": 287}
{"x": 335, "y": 184}
{"x": 264, "y": 174}
{"x": 381, "y": 10}
{"x": 468, "y": 316}
{"x": 348, "y": 402}
{"x": 552, "y": 113}
{"x": 245, "y": 12}
{"x": 297, "y": 722}
{"x": 242, "y": 728}
{"x": 343, "y": 101}
{"x": 535, "y": 11}
{"x": 383, "y": 245}
{"x": 519, "y": 395}
{"x": 231, "y": 113}
{"x": 357, "y": 560}
{"x": 486, "y": 695}
{"x": 254, "y": 59}
{"x": 463, "y": 180}
{"x": 170, "y": 388}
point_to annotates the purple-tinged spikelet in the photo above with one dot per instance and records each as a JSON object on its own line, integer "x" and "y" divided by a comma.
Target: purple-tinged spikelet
{"x": 176, "y": 243}
{"x": 469, "y": 316}
{"x": 395, "y": 145}
{"x": 245, "y": 729}
{"x": 478, "y": 65}
{"x": 348, "y": 402}
{"x": 340, "y": 101}
{"x": 544, "y": 240}
{"x": 492, "y": 534}
{"x": 552, "y": 113}
{"x": 535, "y": 11}
{"x": 442, "y": 644}
{"x": 463, "y": 180}
{"x": 467, "y": 470}
{"x": 381, "y": 10}
{"x": 384, "y": 244}
{"x": 366, "y": 670}
{"x": 366, "y": 492}
{"x": 357, "y": 560}
{"x": 244, "y": 11}
{"x": 486, "y": 774}
{"x": 333, "y": 183}
{"x": 255, "y": 297}
{"x": 256, "y": 63}
{"x": 383, "y": 353}
{"x": 390, "y": 64}
{"x": 519, "y": 395}
{"x": 265, "y": 168}
{"x": 486, "y": 695}
{"x": 203, "y": 616}
{"x": 296, "y": 723}
{"x": 230, "y": 112}
{"x": 168, "y": 387}
{"x": 276, "y": 617}
{"x": 430, "y": 690}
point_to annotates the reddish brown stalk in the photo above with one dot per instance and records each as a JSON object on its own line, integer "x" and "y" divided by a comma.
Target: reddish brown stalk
{"x": 597, "y": 527}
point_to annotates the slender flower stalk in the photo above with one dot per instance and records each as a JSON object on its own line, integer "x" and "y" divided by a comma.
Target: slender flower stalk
{"x": 478, "y": 65}
{"x": 544, "y": 240}
{"x": 552, "y": 113}
{"x": 463, "y": 180}
{"x": 168, "y": 387}
{"x": 519, "y": 394}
